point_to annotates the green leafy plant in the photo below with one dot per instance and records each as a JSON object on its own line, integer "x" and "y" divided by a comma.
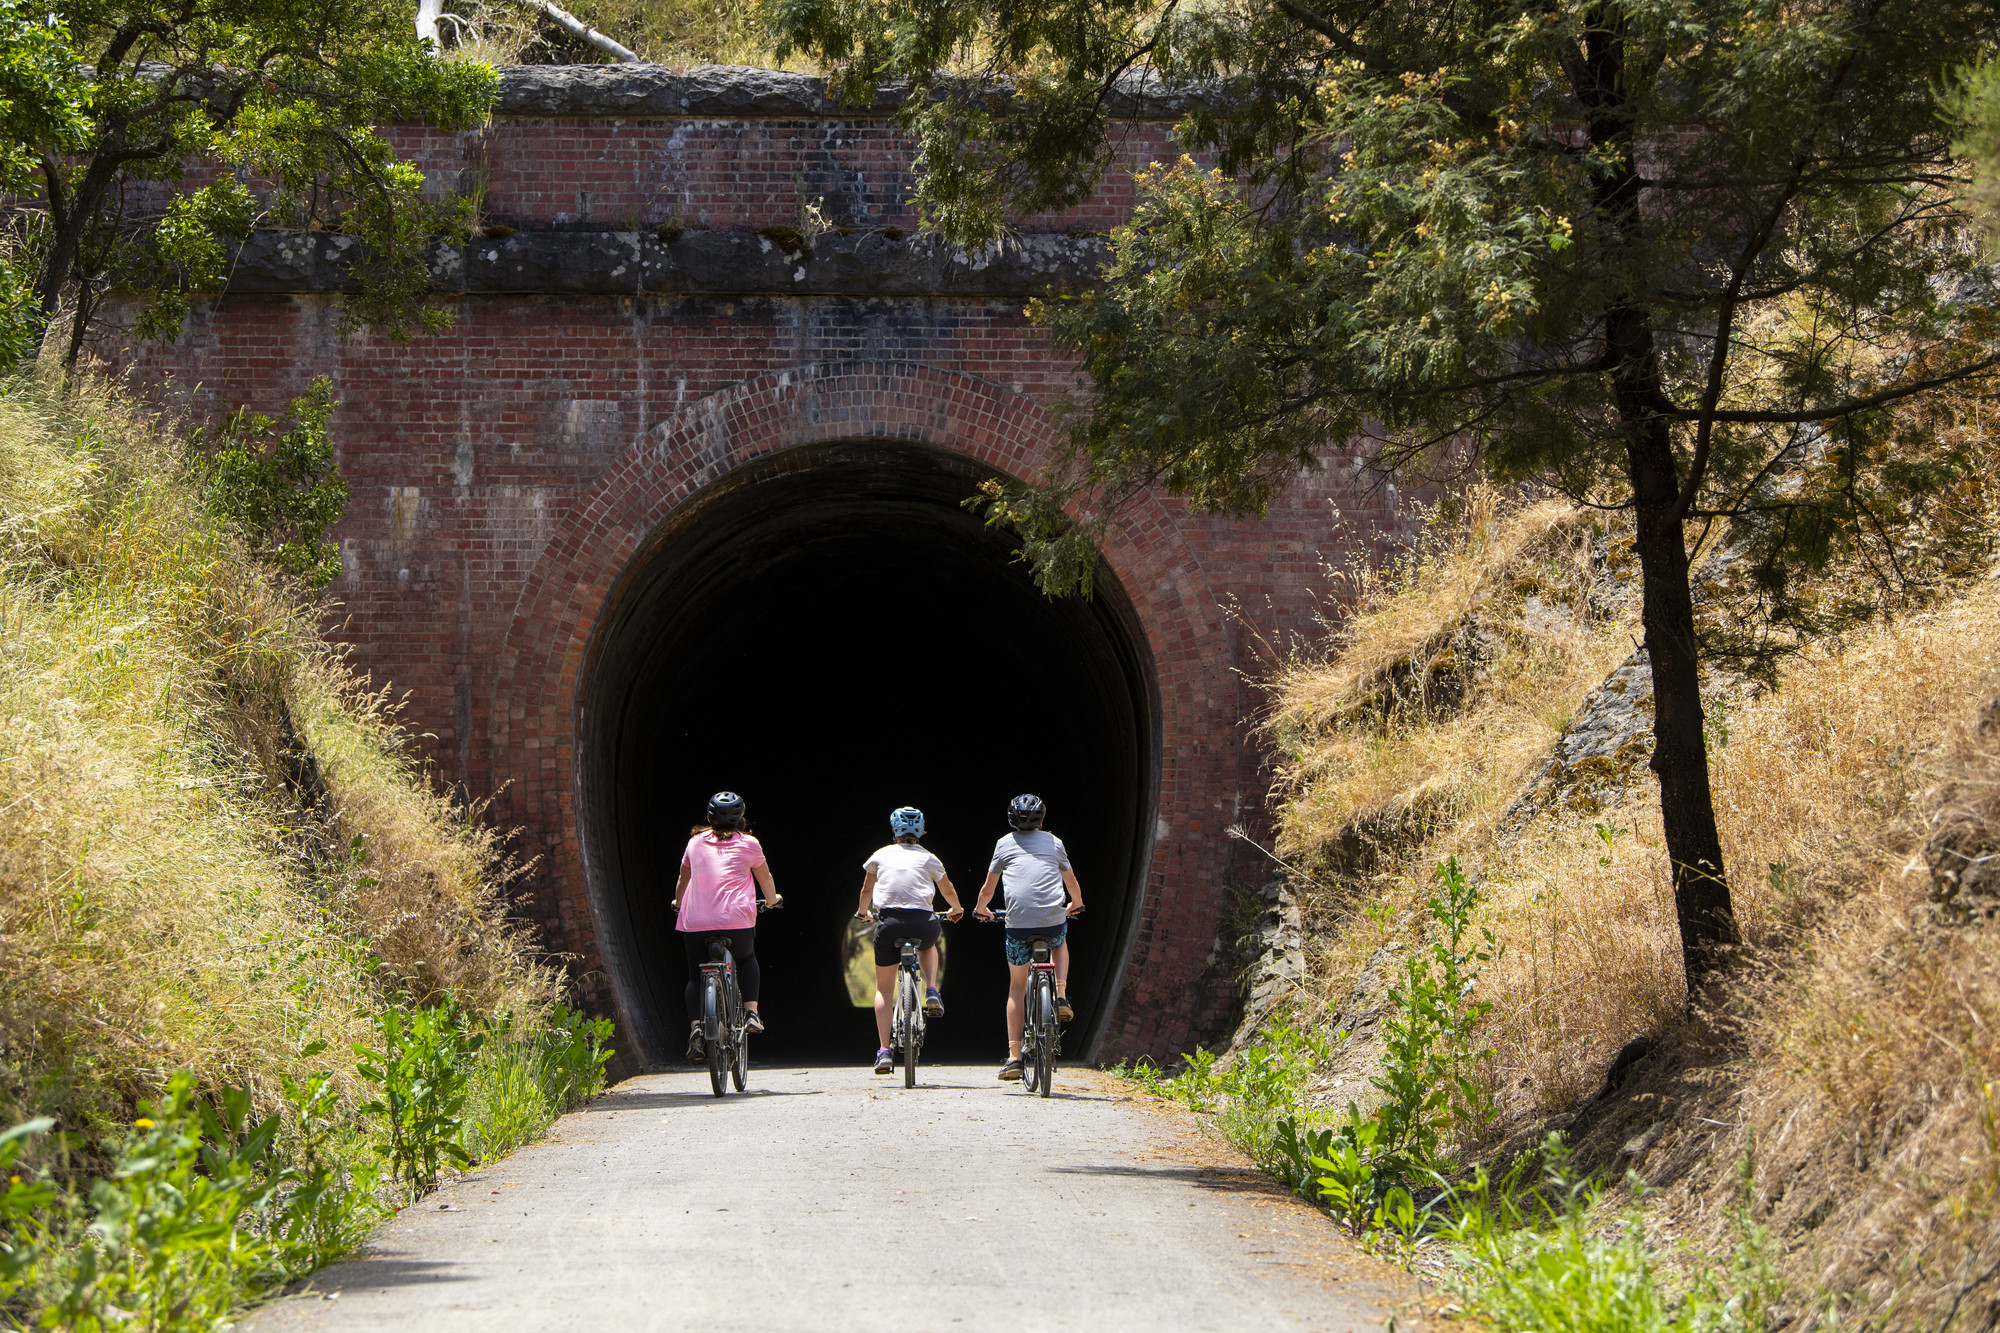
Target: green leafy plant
{"x": 1431, "y": 1076}
{"x": 332, "y": 1196}
{"x": 20, "y": 1202}
{"x": 281, "y": 491}
{"x": 422, "y": 1068}
{"x": 1543, "y": 1259}
{"x": 172, "y": 1232}
{"x": 523, "y": 1080}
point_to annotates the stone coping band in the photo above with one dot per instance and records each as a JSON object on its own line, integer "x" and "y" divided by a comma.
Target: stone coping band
{"x": 737, "y": 92}
{"x": 732, "y": 261}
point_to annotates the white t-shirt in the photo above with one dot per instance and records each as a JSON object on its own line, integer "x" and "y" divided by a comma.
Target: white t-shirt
{"x": 905, "y": 876}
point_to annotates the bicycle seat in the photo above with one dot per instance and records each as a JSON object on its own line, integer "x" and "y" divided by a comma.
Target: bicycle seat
{"x": 716, "y": 948}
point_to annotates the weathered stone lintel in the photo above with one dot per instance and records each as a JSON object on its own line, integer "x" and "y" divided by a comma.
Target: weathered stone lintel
{"x": 737, "y": 92}
{"x": 724, "y": 262}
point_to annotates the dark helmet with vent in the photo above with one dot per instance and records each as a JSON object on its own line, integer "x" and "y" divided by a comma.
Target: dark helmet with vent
{"x": 726, "y": 810}
{"x": 1025, "y": 812}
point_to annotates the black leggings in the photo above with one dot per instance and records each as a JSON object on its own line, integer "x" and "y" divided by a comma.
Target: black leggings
{"x": 742, "y": 947}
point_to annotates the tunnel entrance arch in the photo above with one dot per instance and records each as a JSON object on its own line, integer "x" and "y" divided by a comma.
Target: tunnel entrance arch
{"x": 828, "y": 631}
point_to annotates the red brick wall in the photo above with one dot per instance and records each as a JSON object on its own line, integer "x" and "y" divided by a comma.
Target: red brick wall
{"x": 503, "y": 474}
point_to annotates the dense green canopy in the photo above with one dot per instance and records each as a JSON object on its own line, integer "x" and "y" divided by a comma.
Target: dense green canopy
{"x": 1705, "y": 260}
{"x": 139, "y": 136}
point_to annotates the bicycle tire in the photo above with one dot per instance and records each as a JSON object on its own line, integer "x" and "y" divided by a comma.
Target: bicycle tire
{"x": 913, "y": 1029}
{"x": 712, "y": 1030}
{"x": 1045, "y": 1045}
{"x": 1031, "y": 1035}
{"x": 739, "y": 1036}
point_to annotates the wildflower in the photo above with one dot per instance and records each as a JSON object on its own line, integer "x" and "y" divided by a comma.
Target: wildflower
{"x": 142, "y": 1123}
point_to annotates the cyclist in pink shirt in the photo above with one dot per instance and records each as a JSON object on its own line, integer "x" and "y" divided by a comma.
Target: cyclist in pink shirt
{"x": 716, "y": 898}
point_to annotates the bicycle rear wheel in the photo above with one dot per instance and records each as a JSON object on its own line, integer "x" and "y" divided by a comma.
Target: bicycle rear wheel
{"x": 714, "y": 1030}
{"x": 1045, "y": 1043}
{"x": 1031, "y": 1035}
{"x": 913, "y": 1028}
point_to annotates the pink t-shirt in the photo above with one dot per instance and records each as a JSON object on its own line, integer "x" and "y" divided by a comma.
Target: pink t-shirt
{"x": 721, "y": 893}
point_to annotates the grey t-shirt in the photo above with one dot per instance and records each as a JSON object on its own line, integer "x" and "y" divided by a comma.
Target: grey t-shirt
{"x": 1030, "y": 867}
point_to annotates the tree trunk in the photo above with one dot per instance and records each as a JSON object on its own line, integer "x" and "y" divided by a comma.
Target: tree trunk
{"x": 1680, "y": 752}
{"x": 69, "y": 223}
{"x": 1603, "y": 82}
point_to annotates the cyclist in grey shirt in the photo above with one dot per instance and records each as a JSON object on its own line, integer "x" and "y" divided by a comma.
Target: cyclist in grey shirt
{"x": 1042, "y": 894}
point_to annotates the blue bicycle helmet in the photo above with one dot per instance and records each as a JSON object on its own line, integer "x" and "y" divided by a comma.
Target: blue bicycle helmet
{"x": 1025, "y": 812}
{"x": 906, "y": 822}
{"x": 726, "y": 810}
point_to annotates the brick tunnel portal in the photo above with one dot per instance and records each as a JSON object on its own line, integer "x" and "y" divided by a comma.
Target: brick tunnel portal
{"x": 830, "y": 633}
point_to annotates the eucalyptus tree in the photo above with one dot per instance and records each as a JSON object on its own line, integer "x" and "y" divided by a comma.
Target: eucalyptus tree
{"x": 141, "y": 137}
{"x": 1695, "y": 259}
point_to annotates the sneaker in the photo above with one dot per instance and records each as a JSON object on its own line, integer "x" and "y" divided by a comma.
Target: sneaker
{"x": 885, "y": 1060}
{"x": 1011, "y": 1071}
{"x": 697, "y": 1048}
{"x": 933, "y": 1003}
{"x": 1064, "y": 1014}
{"x": 753, "y": 1020}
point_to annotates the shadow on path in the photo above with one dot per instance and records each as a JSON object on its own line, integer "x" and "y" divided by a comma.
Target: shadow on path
{"x": 1233, "y": 1180}
{"x": 365, "y": 1274}
{"x": 641, "y": 1101}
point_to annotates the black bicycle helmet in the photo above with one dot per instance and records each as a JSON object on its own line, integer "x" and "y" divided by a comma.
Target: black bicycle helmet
{"x": 1025, "y": 812}
{"x": 726, "y": 810}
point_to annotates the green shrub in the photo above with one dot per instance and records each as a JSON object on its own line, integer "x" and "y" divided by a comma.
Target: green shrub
{"x": 523, "y": 1080}
{"x": 282, "y": 492}
{"x": 422, "y": 1068}
{"x": 1542, "y": 1259}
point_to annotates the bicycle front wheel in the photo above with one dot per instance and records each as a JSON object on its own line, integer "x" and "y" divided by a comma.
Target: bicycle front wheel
{"x": 715, "y": 1031}
{"x": 1045, "y": 1043}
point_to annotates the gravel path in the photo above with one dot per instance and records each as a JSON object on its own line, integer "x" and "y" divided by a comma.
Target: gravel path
{"x": 832, "y": 1199}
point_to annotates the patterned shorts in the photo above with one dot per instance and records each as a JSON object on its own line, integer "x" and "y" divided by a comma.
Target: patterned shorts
{"x": 1020, "y": 953}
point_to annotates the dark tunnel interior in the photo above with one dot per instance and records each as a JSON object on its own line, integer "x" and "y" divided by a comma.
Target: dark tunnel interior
{"x": 830, "y": 633}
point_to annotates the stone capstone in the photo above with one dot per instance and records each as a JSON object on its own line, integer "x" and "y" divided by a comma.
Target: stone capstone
{"x": 735, "y": 261}
{"x": 740, "y": 92}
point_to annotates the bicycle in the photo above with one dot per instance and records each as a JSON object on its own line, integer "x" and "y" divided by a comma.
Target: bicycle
{"x": 906, "y": 1025}
{"x": 1041, "y": 1029}
{"x": 907, "y": 1020}
{"x": 725, "y": 1024}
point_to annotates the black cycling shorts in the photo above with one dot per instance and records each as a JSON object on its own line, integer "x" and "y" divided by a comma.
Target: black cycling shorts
{"x": 896, "y": 924}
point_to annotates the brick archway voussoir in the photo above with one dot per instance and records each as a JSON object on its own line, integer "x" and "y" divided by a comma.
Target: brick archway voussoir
{"x": 607, "y": 527}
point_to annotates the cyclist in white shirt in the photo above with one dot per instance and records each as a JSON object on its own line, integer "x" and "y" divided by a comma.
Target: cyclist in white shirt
{"x": 897, "y": 893}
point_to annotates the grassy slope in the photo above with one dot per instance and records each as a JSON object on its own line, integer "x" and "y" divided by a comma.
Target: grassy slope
{"x": 1861, "y": 1034}
{"x": 177, "y": 891}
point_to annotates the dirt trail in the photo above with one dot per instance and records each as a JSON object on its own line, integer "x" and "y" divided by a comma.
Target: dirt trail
{"x": 832, "y": 1199}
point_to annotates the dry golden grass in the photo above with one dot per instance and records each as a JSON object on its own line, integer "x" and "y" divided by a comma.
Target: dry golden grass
{"x": 1413, "y": 720}
{"x": 166, "y": 901}
{"x": 1862, "y": 1038}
